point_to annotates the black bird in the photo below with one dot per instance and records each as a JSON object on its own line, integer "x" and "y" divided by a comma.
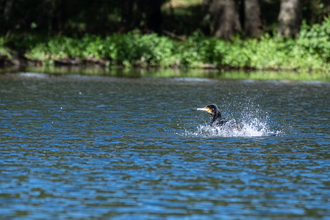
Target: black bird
{"x": 216, "y": 118}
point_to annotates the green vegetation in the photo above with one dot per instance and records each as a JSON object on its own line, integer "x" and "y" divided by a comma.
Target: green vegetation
{"x": 310, "y": 51}
{"x": 3, "y": 49}
{"x": 160, "y": 33}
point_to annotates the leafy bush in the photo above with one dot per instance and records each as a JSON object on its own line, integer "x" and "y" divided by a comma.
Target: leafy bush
{"x": 315, "y": 40}
{"x": 310, "y": 50}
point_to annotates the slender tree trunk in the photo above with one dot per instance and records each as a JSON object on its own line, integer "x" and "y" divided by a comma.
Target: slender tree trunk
{"x": 252, "y": 22}
{"x": 224, "y": 16}
{"x": 289, "y": 18}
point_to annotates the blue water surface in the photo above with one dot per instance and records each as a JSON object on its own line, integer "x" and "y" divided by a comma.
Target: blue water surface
{"x": 136, "y": 148}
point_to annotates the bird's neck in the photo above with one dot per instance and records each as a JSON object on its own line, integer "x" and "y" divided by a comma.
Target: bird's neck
{"x": 216, "y": 116}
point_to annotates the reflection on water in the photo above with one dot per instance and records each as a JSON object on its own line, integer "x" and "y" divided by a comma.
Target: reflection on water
{"x": 179, "y": 74}
{"x": 123, "y": 148}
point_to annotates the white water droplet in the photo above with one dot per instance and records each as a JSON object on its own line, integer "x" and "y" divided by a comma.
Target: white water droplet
{"x": 252, "y": 128}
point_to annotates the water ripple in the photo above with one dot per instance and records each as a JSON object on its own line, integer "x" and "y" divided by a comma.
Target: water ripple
{"x": 102, "y": 147}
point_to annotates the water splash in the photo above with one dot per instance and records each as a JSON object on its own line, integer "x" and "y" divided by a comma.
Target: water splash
{"x": 254, "y": 128}
{"x": 251, "y": 128}
{"x": 256, "y": 123}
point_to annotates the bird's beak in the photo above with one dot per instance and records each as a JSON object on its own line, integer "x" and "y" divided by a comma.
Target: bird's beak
{"x": 204, "y": 109}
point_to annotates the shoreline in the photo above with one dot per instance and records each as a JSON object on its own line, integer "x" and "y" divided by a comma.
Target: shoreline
{"x": 22, "y": 61}
{"x": 170, "y": 73}
{"x": 147, "y": 51}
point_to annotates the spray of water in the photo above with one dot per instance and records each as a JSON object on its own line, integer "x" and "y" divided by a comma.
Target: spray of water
{"x": 254, "y": 128}
{"x": 256, "y": 123}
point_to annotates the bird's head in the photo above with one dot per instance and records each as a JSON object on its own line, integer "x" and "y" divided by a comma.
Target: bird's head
{"x": 211, "y": 109}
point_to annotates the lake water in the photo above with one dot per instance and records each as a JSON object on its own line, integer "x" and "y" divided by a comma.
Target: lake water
{"x": 136, "y": 148}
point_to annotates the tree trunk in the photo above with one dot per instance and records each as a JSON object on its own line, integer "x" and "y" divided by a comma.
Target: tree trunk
{"x": 289, "y": 18}
{"x": 252, "y": 21}
{"x": 224, "y": 16}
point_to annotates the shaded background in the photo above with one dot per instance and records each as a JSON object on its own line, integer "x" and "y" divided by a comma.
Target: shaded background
{"x": 222, "y": 18}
